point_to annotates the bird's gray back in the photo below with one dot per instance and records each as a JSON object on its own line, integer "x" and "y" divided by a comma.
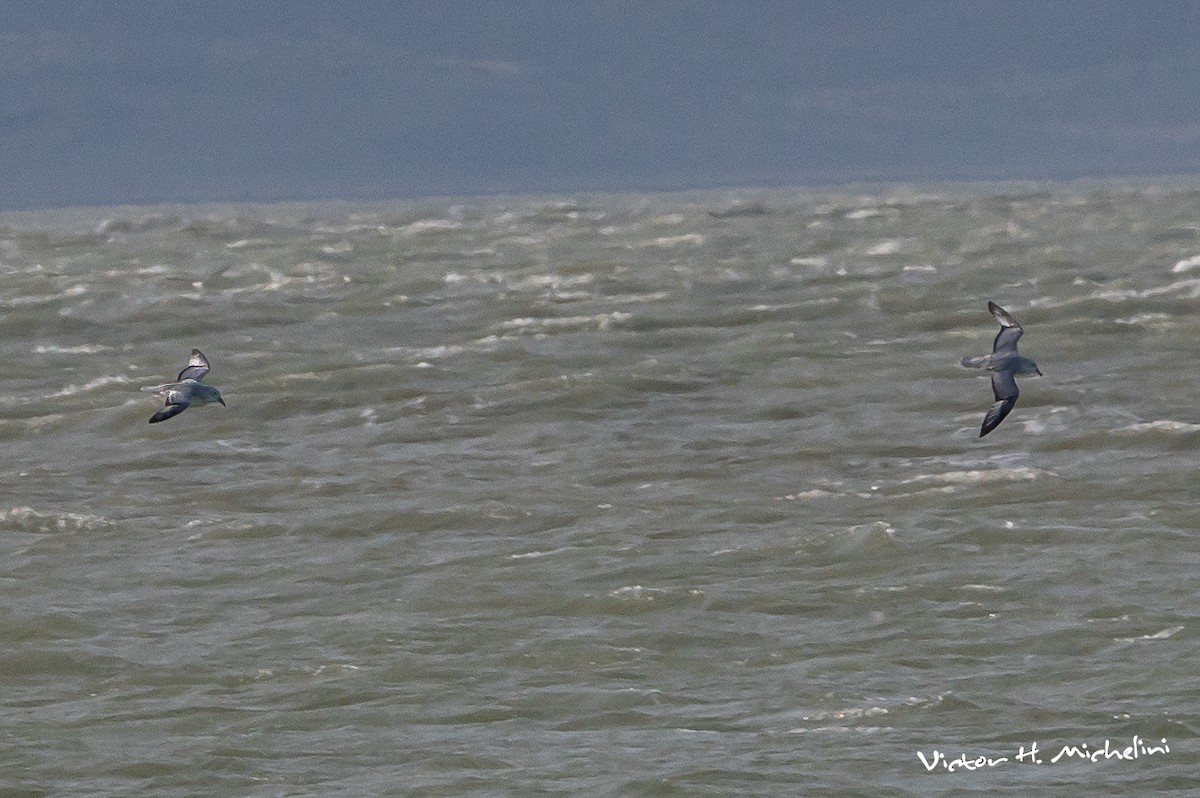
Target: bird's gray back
{"x": 1006, "y": 340}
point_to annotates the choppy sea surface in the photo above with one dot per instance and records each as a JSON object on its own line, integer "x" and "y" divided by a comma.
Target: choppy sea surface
{"x": 617, "y": 495}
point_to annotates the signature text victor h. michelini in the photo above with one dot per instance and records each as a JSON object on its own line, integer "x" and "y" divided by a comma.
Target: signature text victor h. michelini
{"x": 1033, "y": 755}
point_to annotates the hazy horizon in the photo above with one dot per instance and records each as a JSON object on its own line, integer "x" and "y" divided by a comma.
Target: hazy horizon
{"x": 153, "y": 103}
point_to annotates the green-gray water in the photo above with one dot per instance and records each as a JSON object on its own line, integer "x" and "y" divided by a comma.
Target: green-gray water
{"x": 602, "y": 495}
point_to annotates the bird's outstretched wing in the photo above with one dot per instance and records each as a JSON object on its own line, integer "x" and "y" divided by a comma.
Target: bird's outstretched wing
{"x": 168, "y": 411}
{"x": 1010, "y": 331}
{"x": 1004, "y": 388}
{"x": 197, "y": 367}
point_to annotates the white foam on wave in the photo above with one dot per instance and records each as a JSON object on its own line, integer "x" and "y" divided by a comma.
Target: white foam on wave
{"x": 670, "y": 242}
{"x": 599, "y": 321}
{"x": 979, "y": 476}
{"x": 304, "y": 375}
{"x": 533, "y": 555}
{"x": 863, "y": 213}
{"x": 523, "y": 240}
{"x": 276, "y": 280}
{"x": 41, "y": 299}
{"x": 807, "y": 495}
{"x": 326, "y": 229}
{"x": 1188, "y": 289}
{"x": 1162, "y": 634}
{"x": 634, "y": 591}
{"x": 250, "y": 243}
{"x": 1145, "y": 318}
{"x": 1162, "y": 425}
{"x": 638, "y": 299}
{"x": 435, "y": 352}
{"x": 91, "y": 385}
{"x": 669, "y": 218}
{"x": 82, "y": 349}
{"x": 1186, "y": 264}
{"x": 893, "y": 246}
{"x": 867, "y": 711}
{"x": 27, "y": 519}
{"x": 428, "y": 226}
{"x": 850, "y": 713}
{"x": 982, "y": 588}
{"x": 340, "y": 248}
{"x": 641, "y": 593}
{"x": 553, "y": 282}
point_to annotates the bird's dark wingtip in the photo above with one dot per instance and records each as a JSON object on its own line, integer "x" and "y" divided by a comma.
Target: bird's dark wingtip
{"x": 169, "y": 411}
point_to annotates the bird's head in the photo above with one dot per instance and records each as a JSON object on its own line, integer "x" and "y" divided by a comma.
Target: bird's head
{"x": 1027, "y": 368}
{"x": 207, "y": 395}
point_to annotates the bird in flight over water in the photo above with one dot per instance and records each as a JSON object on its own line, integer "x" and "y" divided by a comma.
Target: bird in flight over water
{"x": 1006, "y": 365}
{"x": 186, "y": 390}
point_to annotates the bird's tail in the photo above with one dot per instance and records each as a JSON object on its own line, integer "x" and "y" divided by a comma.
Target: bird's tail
{"x": 980, "y": 362}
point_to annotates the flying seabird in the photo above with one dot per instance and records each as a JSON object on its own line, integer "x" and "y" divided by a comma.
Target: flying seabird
{"x": 1006, "y": 365}
{"x": 186, "y": 390}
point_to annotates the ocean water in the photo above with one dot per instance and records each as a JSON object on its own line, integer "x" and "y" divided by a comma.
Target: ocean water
{"x": 619, "y": 495}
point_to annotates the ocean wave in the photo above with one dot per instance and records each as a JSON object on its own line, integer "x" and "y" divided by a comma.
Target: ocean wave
{"x": 1162, "y": 425}
{"x": 27, "y": 519}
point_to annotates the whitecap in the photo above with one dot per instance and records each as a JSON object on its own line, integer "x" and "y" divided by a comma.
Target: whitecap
{"x": 863, "y": 213}
{"x": 669, "y": 242}
{"x": 82, "y": 349}
{"x": 600, "y": 321}
{"x": 669, "y": 218}
{"x": 531, "y": 555}
{"x": 249, "y": 243}
{"x": 1145, "y": 318}
{"x": 27, "y": 519}
{"x": 1162, "y": 425}
{"x": 849, "y": 713}
{"x": 637, "y": 592}
{"x": 429, "y": 225}
{"x": 1162, "y": 634}
{"x": 980, "y": 477}
{"x": 1186, "y": 264}
{"x": 807, "y": 495}
{"x": 889, "y": 247}
{"x": 99, "y": 382}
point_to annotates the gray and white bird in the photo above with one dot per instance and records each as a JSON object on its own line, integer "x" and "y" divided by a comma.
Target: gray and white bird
{"x": 1006, "y": 365}
{"x": 186, "y": 390}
